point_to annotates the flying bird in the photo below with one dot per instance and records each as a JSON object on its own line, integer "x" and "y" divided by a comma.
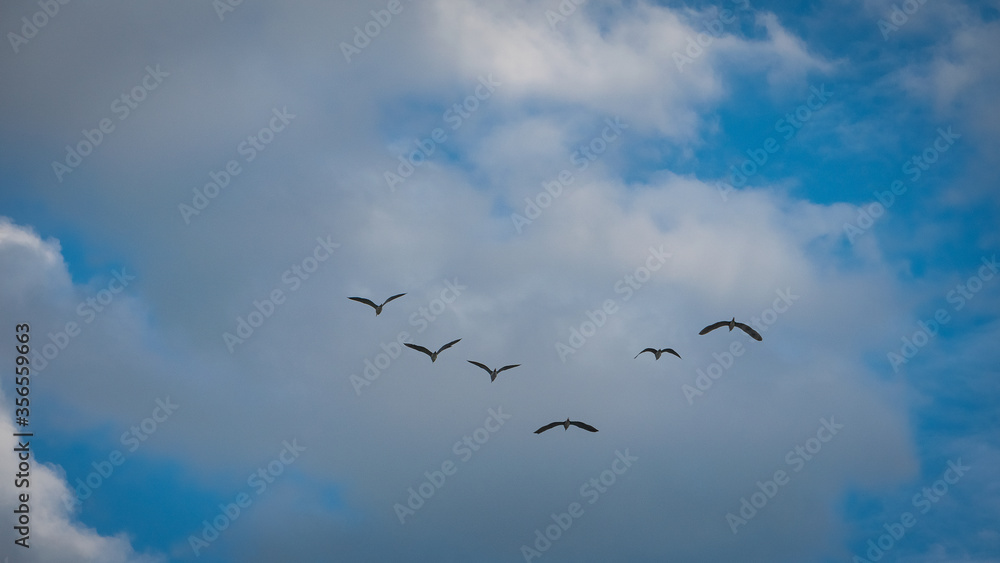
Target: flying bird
{"x": 732, "y": 324}
{"x": 658, "y": 353}
{"x": 369, "y": 302}
{"x": 433, "y": 355}
{"x": 565, "y": 426}
{"x": 493, "y": 372}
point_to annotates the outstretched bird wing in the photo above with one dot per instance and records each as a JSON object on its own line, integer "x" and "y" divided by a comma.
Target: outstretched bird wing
{"x": 753, "y": 333}
{"x": 583, "y": 425}
{"x": 365, "y": 301}
{"x": 712, "y": 327}
{"x": 548, "y": 427}
{"x": 481, "y": 365}
{"x": 671, "y": 351}
{"x": 418, "y": 348}
{"x": 653, "y": 350}
{"x": 507, "y": 367}
{"x": 391, "y": 298}
{"x": 448, "y": 345}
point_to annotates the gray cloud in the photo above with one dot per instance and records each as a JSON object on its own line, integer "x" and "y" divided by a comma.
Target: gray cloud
{"x": 323, "y": 177}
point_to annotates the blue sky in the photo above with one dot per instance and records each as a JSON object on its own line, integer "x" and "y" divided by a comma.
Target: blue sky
{"x": 558, "y": 192}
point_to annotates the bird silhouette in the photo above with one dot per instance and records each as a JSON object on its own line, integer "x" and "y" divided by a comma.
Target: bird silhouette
{"x": 369, "y": 302}
{"x": 493, "y": 372}
{"x": 658, "y": 353}
{"x": 433, "y": 355}
{"x": 565, "y": 426}
{"x": 732, "y": 324}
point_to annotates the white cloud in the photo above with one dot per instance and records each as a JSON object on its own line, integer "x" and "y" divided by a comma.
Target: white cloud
{"x": 34, "y": 269}
{"x": 54, "y": 534}
{"x": 621, "y": 66}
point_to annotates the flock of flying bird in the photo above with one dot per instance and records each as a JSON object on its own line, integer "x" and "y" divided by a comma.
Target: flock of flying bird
{"x": 731, "y": 324}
